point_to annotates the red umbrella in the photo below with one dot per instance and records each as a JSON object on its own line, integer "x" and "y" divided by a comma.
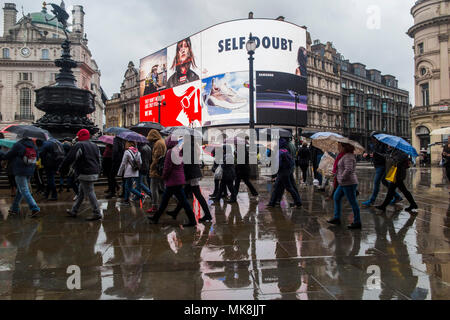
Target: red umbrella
{"x": 107, "y": 139}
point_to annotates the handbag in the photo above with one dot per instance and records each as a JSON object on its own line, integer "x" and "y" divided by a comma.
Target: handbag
{"x": 218, "y": 173}
{"x": 392, "y": 174}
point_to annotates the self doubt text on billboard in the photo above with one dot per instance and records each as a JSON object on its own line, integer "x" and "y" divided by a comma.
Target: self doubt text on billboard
{"x": 203, "y": 80}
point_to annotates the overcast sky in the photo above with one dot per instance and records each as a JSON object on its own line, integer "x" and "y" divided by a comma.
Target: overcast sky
{"x": 123, "y": 31}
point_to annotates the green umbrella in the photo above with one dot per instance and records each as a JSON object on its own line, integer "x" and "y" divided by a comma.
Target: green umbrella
{"x": 7, "y": 143}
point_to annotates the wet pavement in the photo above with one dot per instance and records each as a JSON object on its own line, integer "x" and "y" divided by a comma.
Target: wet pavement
{"x": 248, "y": 252}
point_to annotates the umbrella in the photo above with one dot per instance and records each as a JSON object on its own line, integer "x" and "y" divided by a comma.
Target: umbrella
{"x": 132, "y": 136}
{"x": 397, "y": 143}
{"x": 181, "y": 131}
{"x": 107, "y": 139}
{"x": 7, "y": 143}
{"x": 145, "y": 127}
{"x": 282, "y": 133}
{"x": 330, "y": 144}
{"x": 27, "y": 131}
{"x": 116, "y": 130}
{"x": 439, "y": 132}
{"x": 325, "y": 134}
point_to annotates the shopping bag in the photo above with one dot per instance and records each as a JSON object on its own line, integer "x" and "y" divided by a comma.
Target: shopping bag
{"x": 391, "y": 175}
{"x": 218, "y": 173}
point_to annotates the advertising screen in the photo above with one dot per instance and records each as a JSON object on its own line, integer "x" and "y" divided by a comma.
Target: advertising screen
{"x": 211, "y": 70}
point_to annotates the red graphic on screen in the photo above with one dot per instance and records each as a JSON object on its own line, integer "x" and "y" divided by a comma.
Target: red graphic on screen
{"x": 179, "y": 110}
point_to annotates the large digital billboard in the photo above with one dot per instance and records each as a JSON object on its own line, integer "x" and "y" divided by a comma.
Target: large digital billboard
{"x": 203, "y": 80}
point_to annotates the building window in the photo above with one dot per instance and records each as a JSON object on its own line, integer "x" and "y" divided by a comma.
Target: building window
{"x": 352, "y": 100}
{"x": 425, "y": 94}
{"x": 25, "y": 76}
{"x": 420, "y": 48}
{"x": 45, "y": 55}
{"x": 423, "y": 71}
{"x": 352, "y": 120}
{"x": 25, "y": 103}
{"x": 5, "y": 53}
{"x": 54, "y": 36}
{"x": 369, "y": 104}
{"x": 384, "y": 107}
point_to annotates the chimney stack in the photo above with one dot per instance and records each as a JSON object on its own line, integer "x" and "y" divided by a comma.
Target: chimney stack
{"x": 9, "y": 17}
{"x": 250, "y": 15}
{"x": 78, "y": 20}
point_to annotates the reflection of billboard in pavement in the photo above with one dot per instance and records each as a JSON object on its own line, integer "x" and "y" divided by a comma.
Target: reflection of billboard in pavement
{"x": 182, "y": 106}
{"x": 218, "y": 58}
{"x": 275, "y": 97}
{"x": 225, "y": 99}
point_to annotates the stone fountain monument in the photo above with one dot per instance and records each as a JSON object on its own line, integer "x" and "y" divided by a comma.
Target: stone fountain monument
{"x": 65, "y": 105}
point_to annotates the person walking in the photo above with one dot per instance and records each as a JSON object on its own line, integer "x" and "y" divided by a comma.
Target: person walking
{"x": 316, "y": 155}
{"x": 446, "y": 159}
{"x": 193, "y": 175}
{"x": 129, "y": 169}
{"x": 400, "y": 159}
{"x": 158, "y": 151}
{"x": 173, "y": 176}
{"x": 107, "y": 168}
{"x": 379, "y": 150}
{"x": 243, "y": 171}
{"x": 228, "y": 175}
{"x": 345, "y": 171}
{"x": 117, "y": 156}
{"x": 51, "y": 153}
{"x": 304, "y": 156}
{"x": 23, "y": 156}
{"x": 144, "y": 171}
{"x": 283, "y": 180}
{"x": 86, "y": 160}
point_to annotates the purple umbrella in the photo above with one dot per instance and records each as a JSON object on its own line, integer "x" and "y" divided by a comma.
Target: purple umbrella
{"x": 132, "y": 136}
{"x": 107, "y": 139}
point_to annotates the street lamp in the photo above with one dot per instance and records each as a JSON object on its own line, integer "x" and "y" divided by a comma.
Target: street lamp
{"x": 251, "y": 47}
{"x": 159, "y": 99}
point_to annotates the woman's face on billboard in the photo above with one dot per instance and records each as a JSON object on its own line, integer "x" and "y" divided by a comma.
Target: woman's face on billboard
{"x": 183, "y": 52}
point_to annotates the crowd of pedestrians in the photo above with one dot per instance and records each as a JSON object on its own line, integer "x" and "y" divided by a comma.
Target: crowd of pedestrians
{"x": 146, "y": 173}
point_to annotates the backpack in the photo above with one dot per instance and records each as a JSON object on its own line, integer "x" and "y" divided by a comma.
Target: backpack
{"x": 58, "y": 153}
{"x": 135, "y": 164}
{"x": 30, "y": 156}
{"x": 286, "y": 161}
{"x": 160, "y": 165}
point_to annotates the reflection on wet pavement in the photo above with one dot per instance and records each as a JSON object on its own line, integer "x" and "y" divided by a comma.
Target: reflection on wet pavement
{"x": 247, "y": 252}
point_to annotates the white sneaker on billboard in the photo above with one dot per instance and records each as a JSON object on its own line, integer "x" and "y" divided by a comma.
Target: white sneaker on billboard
{"x": 225, "y": 97}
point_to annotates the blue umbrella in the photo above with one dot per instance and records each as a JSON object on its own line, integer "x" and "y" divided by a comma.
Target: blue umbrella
{"x": 132, "y": 136}
{"x": 325, "y": 135}
{"x": 397, "y": 143}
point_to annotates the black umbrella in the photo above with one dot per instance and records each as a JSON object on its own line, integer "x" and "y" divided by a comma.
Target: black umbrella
{"x": 116, "y": 130}
{"x": 28, "y": 131}
{"x": 145, "y": 127}
{"x": 182, "y": 131}
{"x": 282, "y": 133}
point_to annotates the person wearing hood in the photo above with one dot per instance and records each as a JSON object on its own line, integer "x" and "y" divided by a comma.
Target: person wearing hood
{"x": 118, "y": 150}
{"x": 158, "y": 150}
{"x": 146, "y": 156}
{"x": 86, "y": 160}
{"x": 243, "y": 171}
{"x": 173, "y": 176}
{"x": 23, "y": 156}
{"x": 283, "y": 181}
{"x": 193, "y": 175}
{"x": 129, "y": 169}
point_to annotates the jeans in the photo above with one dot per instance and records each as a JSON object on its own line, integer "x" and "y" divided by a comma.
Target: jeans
{"x": 51, "y": 185}
{"x": 178, "y": 192}
{"x": 380, "y": 174}
{"x": 283, "y": 187}
{"x": 391, "y": 191}
{"x": 86, "y": 189}
{"x": 304, "y": 172}
{"x": 140, "y": 185}
{"x": 154, "y": 186}
{"x": 350, "y": 193}
{"x": 189, "y": 190}
{"x": 129, "y": 188}
{"x": 23, "y": 192}
{"x": 223, "y": 189}
{"x": 284, "y": 182}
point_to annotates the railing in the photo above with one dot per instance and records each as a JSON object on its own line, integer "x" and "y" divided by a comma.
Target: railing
{"x": 429, "y": 109}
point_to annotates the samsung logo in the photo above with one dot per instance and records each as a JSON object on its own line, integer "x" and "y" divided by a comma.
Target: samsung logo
{"x": 277, "y": 43}
{"x": 265, "y": 74}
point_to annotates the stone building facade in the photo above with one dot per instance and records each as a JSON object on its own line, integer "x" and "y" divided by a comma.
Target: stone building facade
{"x": 28, "y": 48}
{"x": 123, "y": 108}
{"x": 431, "y": 111}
